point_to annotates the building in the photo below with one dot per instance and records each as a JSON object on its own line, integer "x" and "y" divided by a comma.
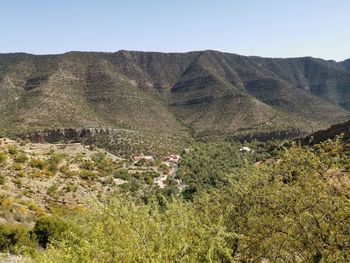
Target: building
{"x": 245, "y": 149}
{"x": 174, "y": 158}
{"x": 142, "y": 157}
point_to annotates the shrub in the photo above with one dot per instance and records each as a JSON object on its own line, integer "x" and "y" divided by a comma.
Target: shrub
{"x": 122, "y": 174}
{"x": 98, "y": 157}
{"x": 88, "y": 175}
{"x": 21, "y": 158}
{"x": 53, "y": 167}
{"x": 2, "y": 179}
{"x": 37, "y": 163}
{"x": 164, "y": 168}
{"x": 3, "y": 157}
{"x": 87, "y": 165}
{"x": 12, "y": 149}
{"x": 13, "y": 238}
{"x": 49, "y": 228}
{"x": 126, "y": 232}
{"x": 52, "y": 190}
{"x": 17, "y": 167}
{"x": 56, "y": 157}
{"x": 71, "y": 187}
{"x": 17, "y": 182}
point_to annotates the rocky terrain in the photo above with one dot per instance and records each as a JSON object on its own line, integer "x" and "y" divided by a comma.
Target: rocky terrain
{"x": 182, "y": 94}
{"x": 38, "y": 179}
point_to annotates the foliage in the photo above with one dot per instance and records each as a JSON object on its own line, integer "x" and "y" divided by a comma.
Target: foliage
{"x": 3, "y": 157}
{"x": 47, "y": 228}
{"x": 15, "y": 239}
{"x": 295, "y": 210}
{"x": 37, "y": 163}
{"x": 208, "y": 164}
{"x": 121, "y": 174}
{"x": 2, "y": 179}
{"x": 21, "y": 158}
{"x": 88, "y": 165}
{"x": 88, "y": 175}
{"x": 123, "y": 231}
{"x": 12, "y": 149}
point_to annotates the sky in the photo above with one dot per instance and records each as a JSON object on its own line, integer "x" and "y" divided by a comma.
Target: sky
{"x": 268, "y": 28}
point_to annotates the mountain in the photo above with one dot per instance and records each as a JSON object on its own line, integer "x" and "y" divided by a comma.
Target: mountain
{"x": 346, "y": 64}
{"x": 198, "y": 93}
{"x": 342, "y": 129}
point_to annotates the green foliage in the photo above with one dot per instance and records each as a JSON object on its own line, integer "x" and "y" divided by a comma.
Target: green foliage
{"x": 2, "y": 179}
{"x": 3, "y": 157}
{"x": 122, "y": 174}
{"x": 124, "y": 231}
{"x": 17, "y": 181}
{"x": 208, "y": 164}
{"x": 98, "y": 157}
{"x": 164, "y": 168}
{"x": 12, "y": 150}
{"x": 294, "y": 210}
{"x": 37, "y": 163}
{"x": 52, "y": 190}
{"x": 21, "y": 158}
{"x": 47, "y": 228}
{"x": 71, "y": 187}
{"x": 57, "y": 157}
{"x": 17, "y": 167}
{"x": 88, "y": 165}
{"x": 88, "y": 175}
{"x": 15, "y": 239}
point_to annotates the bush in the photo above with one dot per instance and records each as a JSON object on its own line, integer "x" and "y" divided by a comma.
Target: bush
{"x": 37, "y": 163}
{"x": 71, "y": 187}
{"x": 17, "y": 182}
{"x": 52, "y": 190}
{"x": 98, "y": 157}
{"x": 17, "y": 167}
{"x": 49, "y": 228}
{"x": 57, "y": 158}
{"x": 88, "y": 175}
{"x": 13, "y": 238}
{"x": 21, "y": 158}
{"x": 164, "y": 168}
{"x": 2, "y": 179}
{"x": 12, "y": 149}
{"x": 3, "y": 157}
{"x": 127, "y": 232}
{"x": 87, "y": 165}
{"x": 122, "y": 174}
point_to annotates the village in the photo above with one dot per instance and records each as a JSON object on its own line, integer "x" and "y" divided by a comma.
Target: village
{"x": 170, "y": 163}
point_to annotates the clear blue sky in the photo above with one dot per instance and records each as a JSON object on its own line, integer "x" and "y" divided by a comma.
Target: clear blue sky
{"x": 274, "y": 28}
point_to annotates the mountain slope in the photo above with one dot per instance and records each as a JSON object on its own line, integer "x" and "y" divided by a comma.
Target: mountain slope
{"x": 342, "y": 129}
{"x": 346, "y": 64}
{"x": 171, "y": 93}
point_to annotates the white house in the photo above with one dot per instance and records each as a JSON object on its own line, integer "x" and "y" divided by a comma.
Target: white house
{"x": 245, "y": 149}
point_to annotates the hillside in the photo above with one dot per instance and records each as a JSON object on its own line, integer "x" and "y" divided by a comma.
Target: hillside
{"x": 182, "y": 94}
{"x": 342, "y": 129}
{"x": 346, "y": 64}
{"x": 38, "y": 179}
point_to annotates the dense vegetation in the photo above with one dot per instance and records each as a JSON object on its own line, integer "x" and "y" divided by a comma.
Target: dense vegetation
{"x": 293, "y": 208}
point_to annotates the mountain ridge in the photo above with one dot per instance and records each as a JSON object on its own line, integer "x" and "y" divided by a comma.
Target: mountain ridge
{"x": 173, "y": 93}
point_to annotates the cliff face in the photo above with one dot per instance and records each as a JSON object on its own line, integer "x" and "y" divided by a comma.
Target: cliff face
{"x": 171, "y": 93}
